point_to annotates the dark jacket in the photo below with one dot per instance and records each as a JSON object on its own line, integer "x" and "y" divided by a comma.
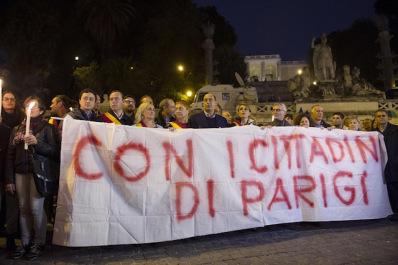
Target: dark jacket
{"x": 277, "y": 122}
{"x": 164, "y": 121}
{"x": 18, "y": 161}
{"x": 391, "y": 140}
{"x": 323, "y": 124}
{"x": 124, "y": 120}
{"x": 4, "y": 139}
{"x": 12, "y": 119}
{"x": 200, "y": 120}
{"x": 79, "y": 114}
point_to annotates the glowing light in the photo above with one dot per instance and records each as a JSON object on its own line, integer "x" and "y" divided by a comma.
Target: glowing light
{"x": 28, "y": 113}
{"x": 189, "y": 93}
{"x": 180, "y": 68}
{"x": 314, "y": 83}
{"x": 299, "y": 71}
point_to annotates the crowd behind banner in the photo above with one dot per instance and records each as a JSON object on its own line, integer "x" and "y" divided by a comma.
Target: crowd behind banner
{"x": 30, "y": 147}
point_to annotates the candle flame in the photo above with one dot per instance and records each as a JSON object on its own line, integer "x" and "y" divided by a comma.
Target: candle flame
{"x": 31, "y": 105}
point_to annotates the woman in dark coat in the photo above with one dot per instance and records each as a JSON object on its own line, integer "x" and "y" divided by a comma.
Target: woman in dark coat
{"x": 42, "y": 140}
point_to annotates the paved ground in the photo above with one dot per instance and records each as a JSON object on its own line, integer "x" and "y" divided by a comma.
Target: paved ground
{"x": 359, "y": 242}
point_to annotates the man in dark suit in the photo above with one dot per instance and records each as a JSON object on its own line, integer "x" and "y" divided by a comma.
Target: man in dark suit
{"x": 115, "y": 114}
{"x": 390, "y": 133}
{"x": 208, "y": 118}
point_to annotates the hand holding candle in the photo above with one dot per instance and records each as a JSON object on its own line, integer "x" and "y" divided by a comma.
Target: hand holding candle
{"x": 28, "y": 112}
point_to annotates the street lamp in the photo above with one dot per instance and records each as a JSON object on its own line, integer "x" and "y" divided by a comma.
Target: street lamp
{"x": 180, "y": 68}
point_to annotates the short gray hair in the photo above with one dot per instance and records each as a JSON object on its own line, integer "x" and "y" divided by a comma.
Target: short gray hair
{"x": 282, "y": 105}
{"x": 164, "y": 103}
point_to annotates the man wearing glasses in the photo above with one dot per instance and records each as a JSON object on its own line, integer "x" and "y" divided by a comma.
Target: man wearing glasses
{"x": 278, "y": 115}
{"x": 129, "y": 106}
{"x": 11, "y": 115}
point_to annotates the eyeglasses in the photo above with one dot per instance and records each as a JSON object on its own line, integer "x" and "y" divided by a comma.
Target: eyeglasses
{"x": 277, "y": 110}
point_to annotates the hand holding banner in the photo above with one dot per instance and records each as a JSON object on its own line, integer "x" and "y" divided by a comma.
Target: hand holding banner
{"x": 124, "y": 185}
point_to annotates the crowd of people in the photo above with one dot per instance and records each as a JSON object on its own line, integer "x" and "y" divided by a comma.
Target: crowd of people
{"x": 23, "y": 204}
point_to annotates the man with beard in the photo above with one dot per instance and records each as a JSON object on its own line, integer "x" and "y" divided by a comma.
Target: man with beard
{"x": 60, "y": 106}
{"x": 129, "y": 106}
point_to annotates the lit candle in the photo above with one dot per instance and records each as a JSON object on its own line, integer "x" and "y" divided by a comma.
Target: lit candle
{"x": 28, "y": 112}
{"x": 1, "y": 96}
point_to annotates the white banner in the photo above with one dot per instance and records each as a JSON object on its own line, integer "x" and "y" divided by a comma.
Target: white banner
{"x": 125, "y": 185}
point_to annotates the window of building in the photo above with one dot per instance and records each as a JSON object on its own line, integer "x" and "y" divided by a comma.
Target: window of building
{"x": 225, "y": 96}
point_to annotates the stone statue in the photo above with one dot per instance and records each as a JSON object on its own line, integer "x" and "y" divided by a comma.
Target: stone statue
{"x": 324, "y": 67}
{"x": 208, "y": 46}
{"x": 298, "y": 86}
{"x": 387, "y": 63}
{"x": 306, "y": 79}
{"x": 347, "y": 79}
{"x": 361, "y": 87}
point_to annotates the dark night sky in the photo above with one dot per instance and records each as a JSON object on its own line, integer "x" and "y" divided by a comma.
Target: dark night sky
{"x": 286, "y": 27}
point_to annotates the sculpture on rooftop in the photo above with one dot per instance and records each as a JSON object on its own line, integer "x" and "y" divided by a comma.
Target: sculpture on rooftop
{"x": 387, "y": 64}
{"x": 322, "y": 58}
{"x": 361, "y": 87}
{"x": 300, "y": 84}
{"x": 322, "y": 83}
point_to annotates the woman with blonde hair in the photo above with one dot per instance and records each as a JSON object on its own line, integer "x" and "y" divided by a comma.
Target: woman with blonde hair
{"x": 352, "y": 123}
{"x": 243, "y": 112}
{"x": 145, "y": 116}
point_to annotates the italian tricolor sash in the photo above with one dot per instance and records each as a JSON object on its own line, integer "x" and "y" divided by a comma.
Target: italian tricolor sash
{"x": 175, "y": 125}
{"x": 111, "y": 118}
